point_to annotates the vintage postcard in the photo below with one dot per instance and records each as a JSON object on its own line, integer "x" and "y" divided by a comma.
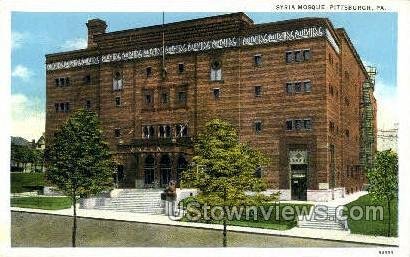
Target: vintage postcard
{"x": 184, "y": 129}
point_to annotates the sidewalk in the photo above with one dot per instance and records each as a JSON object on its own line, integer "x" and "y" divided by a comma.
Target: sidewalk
{"x": 164, "y": 220}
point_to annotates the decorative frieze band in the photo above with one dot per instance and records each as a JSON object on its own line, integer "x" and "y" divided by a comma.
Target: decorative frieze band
{"x": 266, "y": 38}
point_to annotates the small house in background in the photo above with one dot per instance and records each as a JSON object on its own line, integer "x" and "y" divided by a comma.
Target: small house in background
{"x": 27, "y": 156}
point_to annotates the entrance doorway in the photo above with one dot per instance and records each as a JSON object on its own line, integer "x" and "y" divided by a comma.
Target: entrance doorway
{"x": 149, "y": 170}
{"x": 299, "y": 181}
{"x": 165, "y": 169}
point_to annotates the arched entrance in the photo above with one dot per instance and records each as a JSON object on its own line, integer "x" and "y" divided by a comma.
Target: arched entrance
{"x": 149, "y": 170}
{"x": 165, "y": 170}
{"x": 182, "y": 164}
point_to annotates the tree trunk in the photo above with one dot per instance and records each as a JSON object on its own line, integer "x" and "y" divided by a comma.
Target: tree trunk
{"x": 225, "y": 239}
{"x": 388, "y": 209}
{"x": 74, "y": 232}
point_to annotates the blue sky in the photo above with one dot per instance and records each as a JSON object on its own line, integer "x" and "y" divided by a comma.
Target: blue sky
{"x": 35, "y": 34}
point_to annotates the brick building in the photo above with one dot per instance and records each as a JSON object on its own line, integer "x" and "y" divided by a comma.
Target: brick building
{"x": 292, "y": 89}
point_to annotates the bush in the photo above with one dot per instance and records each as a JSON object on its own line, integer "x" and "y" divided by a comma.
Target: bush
{"x": 26, "y": 182}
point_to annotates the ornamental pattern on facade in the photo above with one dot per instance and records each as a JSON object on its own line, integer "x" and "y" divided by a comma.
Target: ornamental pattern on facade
{"x": 266, "y": 38}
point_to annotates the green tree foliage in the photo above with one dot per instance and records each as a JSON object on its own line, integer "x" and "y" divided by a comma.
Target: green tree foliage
{"x": 79, "y": 162}
{"x": 223, "y": 168}
{"x": 383, "y": 182}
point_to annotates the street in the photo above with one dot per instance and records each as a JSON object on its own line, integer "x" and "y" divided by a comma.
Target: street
{"x": 42, "y": 230}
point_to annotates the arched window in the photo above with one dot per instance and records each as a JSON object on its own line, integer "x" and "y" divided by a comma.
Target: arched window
{"x": 117, "y": 81}
{"x": 216, "y": 70}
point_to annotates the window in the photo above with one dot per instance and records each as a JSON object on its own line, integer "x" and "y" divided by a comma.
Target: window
{"x": 258, "y": 172}
{"x": 307, "y": 86}
{"x": 331, "y": 126}
{"x": 148, "y": 132}
{"x": 307, "y": 124}
{"x": 87, "y": 79}
{"x": 298, "y": 124}
{"x": 298, "y": 56}
{"x": 164, "y": 131}
{"x": 258, "y": 91}
{"x": 148, "y": 71}
{"x": 347, "y": 133}
{"x": 117, "y": 132}
{"x": 289, "y": 125}
{"x": 181, "y": 95}
{"x": 88, "y": 105}
{"x": 216, "y": 92}
{"x": 306, "y": 54}
{"x": 257, "y": 59}
{"x": 117, "y": 81}
{"x": 62, "y": 82}
{"x": 289, "y": 57}
{"x": 164, "y": 98}
{"x": 258, "y": 127}
{"x": 216, "y": 70}
{"x": 57, "y": 82}
{"x": 298, "y": 87}
{"x": 148, "y": 96}
{"x": 331, "y": 90}
{"x": 117, "y": 101}
{"x": 290, "y": 88}
{"x": 67, "y": 81}
{"x": 181, "y": 68}
{"x": 62, "y": 107}
{"x": 182, "y": 130}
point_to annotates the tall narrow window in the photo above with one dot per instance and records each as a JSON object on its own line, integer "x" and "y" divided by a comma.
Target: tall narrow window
{"x": 62, "y": 82}
{"x": 148, "y": 71}
{"x": 148, "y": 96}
{"x": 87, "y": 79}
{"x": 182, "y": 130}
{"x": 56, "y": 105}
{"x": 216, "y": 70}
{"x": 117, "y": 132}
{"x": 258, "y": 91}
{"x": 88, "y": 105}
{"x": 216, "y": 92}
{"x": 257, "y": 59}
{"x": 298, "y": 56}
{"x": 258, "y": 127}
{"x": 57, "y": 82}
{"x": 181, "y": 68}
{"x": 289, "y": 125}
{"x": 66, "y": 106}
{"x": 117, "y": 81}
{"x": 181, "y": 95}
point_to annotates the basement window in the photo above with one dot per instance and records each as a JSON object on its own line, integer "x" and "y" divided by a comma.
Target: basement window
{"x": 117, "y": 101}
{"x": 258, "y": 127}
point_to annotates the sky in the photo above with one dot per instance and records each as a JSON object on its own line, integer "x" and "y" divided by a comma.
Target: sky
{"x": 35, "y": 34}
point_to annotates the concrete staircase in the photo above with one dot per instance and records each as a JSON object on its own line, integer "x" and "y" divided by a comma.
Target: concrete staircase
{"x": 323, "y": 218}
{"x": 135, "y": 200}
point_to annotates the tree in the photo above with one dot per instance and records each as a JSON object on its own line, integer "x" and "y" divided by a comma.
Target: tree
{"x": 223, "y": 168}
{"x": 79, "y": 162}
{"x": 383, "y": 183}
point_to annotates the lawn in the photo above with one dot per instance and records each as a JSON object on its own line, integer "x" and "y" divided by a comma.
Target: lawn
{"x": 45, "y": 203}
{"x": 369, "y": 226}
{"x": 25, "y": 182}
{"x": 275, "y": 222}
